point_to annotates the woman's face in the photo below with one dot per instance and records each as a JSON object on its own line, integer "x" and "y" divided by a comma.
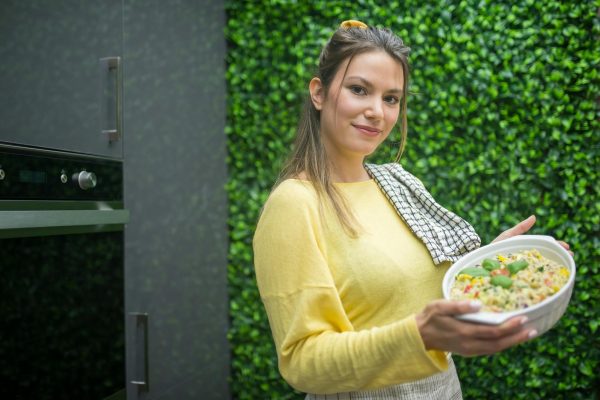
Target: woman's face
{"x": 361, "y": 108}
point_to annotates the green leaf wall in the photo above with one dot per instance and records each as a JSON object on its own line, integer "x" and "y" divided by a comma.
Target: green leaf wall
{"x": 503, "y": 123}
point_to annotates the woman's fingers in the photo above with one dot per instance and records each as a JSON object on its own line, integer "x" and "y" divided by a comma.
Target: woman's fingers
{"x": 440, "y": 330}
{"x": 565, "y": 246}
{"x": 523, "y": 226}
{"x": 477, "y": 347}
{"x": 451, "y": 308}
{"x": 514, "y": 325}
{"x": 519, "y": 229}
{"x": 480, "y": 339}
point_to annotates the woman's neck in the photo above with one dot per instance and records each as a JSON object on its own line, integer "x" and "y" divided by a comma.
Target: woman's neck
{"x": 354, "y": 172}
{"x": 345, "y": 166}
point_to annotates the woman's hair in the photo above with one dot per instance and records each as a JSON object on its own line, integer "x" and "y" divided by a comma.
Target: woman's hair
{"x": 308, "y": 154}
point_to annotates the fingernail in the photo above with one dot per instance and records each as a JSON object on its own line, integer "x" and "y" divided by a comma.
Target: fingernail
{"x": 524, "y": 320}
{"x": 475, "y": 305}
{"x": 532, "y": 333}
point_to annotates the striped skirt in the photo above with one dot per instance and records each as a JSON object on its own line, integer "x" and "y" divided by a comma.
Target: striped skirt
{"x": 441, "y": 386}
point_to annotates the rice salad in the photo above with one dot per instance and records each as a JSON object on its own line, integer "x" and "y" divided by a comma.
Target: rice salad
{"x": 511, "y": 281}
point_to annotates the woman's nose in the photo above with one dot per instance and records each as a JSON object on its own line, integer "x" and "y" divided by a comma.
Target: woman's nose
{"x": 375, "y": 110}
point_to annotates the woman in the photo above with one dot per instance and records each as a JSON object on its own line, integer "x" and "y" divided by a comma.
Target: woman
{"x": 350, "y": 257}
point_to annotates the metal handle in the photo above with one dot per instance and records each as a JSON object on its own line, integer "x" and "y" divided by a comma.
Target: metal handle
{"x": 140, "y": 348}
{"x": 39, "y": 223}
{"x": 113, "y": 64}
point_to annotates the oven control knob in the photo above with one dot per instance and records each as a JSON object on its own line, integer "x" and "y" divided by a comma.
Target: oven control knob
{"x": 85, "y": 180}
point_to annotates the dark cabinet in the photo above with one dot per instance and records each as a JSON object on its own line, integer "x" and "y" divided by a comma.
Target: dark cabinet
{"x": 60, "y": 75}
{"x": 141, "y": 81}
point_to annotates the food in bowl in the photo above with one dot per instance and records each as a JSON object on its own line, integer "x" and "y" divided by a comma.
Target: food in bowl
{"x": 508, "y": 282}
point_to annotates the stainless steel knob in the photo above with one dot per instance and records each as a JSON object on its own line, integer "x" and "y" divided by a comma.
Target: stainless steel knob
{"x": 85, "y": 180}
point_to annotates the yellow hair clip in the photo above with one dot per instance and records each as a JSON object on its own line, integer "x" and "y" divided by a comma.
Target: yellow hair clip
{"x": 352, "y": 23}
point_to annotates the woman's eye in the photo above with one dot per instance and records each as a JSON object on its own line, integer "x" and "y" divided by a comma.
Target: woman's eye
{"x": 391, "y": 99}
{"x": 358, "y": 90}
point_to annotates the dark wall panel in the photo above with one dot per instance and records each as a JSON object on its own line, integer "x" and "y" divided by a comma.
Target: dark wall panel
{"x": 175, "y": 172}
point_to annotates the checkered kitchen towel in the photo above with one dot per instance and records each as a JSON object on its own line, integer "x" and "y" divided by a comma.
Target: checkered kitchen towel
{"x": 445, "y": 234}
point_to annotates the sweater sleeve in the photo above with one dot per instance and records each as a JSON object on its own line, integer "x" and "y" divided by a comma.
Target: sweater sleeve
{"x": 318, "y": 349}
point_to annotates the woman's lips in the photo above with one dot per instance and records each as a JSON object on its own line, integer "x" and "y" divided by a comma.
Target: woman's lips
{"x": 367, "y": 130}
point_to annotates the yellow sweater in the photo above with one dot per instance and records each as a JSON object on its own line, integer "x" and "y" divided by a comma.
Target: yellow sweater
{"x": 342, "y": 309}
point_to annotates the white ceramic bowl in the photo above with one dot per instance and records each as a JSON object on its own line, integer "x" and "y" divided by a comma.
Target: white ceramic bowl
{"x": 542, "y": 316}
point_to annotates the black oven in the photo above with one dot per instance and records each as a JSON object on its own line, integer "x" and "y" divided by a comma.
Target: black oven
{"x": 62, "y": 332}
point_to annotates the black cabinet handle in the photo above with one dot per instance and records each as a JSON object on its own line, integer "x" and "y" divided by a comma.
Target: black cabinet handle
{"x": 112, "y": 96}
{"x": 141, "y": 375}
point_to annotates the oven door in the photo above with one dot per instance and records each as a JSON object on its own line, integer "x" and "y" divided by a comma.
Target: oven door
{"x": 62, "y": 326}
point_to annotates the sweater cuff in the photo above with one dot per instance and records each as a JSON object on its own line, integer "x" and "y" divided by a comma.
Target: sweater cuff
{"x": 437, "y": 360}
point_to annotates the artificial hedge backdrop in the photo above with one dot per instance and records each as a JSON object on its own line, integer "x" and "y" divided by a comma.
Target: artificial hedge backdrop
{"x": 503, "y": 123}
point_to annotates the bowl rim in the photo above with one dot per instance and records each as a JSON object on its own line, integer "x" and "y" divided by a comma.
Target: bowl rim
{"x": 471, "y": 258}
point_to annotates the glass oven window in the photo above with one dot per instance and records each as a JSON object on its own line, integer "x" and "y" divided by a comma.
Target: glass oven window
{"x": 62, "y": 326}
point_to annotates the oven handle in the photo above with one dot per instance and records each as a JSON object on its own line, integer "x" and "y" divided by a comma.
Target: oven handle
{"x": 24, "y": 223}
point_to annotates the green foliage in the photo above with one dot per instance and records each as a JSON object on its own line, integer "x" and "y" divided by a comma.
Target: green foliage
{"x": 503, "y": 123}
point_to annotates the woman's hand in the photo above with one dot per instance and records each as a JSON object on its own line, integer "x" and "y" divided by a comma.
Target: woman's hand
{"x": 519, "y": 229}
{"x": 522, "y": 228}
{"x": 441, "y": 331}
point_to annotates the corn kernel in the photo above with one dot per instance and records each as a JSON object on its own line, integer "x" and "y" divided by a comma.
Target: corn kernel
{"x": 476, "y": 281}
{"x": 564, "y": 272}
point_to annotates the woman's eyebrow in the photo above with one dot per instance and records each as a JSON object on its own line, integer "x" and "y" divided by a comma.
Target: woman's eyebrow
{"x": 370, "y": 85}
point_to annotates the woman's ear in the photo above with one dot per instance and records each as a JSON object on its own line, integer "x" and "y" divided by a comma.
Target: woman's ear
{"x": 316, "y": 93}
